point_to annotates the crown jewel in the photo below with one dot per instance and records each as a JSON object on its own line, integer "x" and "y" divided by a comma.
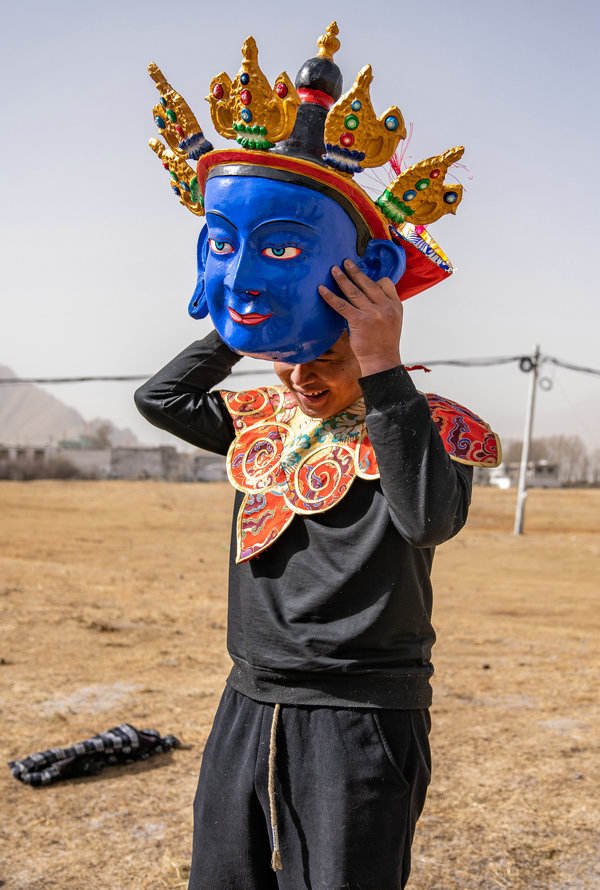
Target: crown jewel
{"x": 354, "y": 136}
{"x": 247, "y": 109}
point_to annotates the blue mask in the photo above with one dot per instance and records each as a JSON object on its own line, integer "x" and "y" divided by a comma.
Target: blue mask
{"x": 266, "y": 247}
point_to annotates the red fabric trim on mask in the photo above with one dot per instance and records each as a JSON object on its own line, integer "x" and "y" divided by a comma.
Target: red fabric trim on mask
{"x": 315, "y": 97}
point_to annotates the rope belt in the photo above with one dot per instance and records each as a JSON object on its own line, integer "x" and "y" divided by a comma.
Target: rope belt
{"x": 276, "y": 857}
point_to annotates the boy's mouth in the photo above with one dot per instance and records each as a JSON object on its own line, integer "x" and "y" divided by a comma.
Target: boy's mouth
{"x": 311, "y": 398}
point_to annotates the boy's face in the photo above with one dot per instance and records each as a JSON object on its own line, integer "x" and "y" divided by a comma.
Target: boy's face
{"x": 326, "y": 385}
{"x": 266, "y": 247}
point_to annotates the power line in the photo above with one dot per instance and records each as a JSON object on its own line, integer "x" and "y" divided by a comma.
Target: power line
{"x": 569, "y": 366}
{"x": 127, "y": 378}
{"x": 525, "y": 362}
{"x": 91, "y": 379}
{"x": 471, "y": 362}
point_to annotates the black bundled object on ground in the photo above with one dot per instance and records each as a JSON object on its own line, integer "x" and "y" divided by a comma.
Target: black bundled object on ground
{"x": 123, "y": 744}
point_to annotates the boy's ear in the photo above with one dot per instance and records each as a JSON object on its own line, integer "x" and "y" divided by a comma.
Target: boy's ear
{"x": 383, "y": 259}
{"x": 198, "y": 307}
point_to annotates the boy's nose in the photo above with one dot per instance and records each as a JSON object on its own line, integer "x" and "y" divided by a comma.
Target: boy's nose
{"x": 303, "y": 374}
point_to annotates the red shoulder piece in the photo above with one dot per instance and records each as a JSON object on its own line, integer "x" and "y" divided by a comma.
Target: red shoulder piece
{"x": 467, "y": 438}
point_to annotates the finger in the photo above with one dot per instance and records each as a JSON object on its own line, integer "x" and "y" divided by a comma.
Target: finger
{"x": 346, "y": 309}
{"x": 352, "y": 291}
{"x": 389, "y": 289}
{"x": 374, "y": 290}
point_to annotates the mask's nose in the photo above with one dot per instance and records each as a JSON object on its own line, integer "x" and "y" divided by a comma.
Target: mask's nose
{"x": 242, "y": 277}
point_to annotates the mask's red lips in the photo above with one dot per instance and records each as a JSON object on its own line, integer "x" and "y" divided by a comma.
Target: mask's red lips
{"x": 249, "y": 318}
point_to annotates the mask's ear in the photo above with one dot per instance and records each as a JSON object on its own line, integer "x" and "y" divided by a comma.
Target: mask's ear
{"x": 198, "y": 307}
{"x": 383, "y": 259}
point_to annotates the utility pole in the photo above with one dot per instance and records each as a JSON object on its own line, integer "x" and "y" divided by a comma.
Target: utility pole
{"x": 532, "y": 365}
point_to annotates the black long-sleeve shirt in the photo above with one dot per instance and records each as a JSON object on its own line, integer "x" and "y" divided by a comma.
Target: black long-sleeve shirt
{"x": 337, "y": 611}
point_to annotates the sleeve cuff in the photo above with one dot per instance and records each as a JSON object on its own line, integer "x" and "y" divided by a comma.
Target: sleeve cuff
{"x": 388, "y": 388}
{"x": 217, "y": 344}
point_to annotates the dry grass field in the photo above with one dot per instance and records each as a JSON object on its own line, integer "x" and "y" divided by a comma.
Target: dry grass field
{"x": 113, "y": 599}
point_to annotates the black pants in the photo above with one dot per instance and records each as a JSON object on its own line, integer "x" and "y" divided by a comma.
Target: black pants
{"x": 350, "y": 785}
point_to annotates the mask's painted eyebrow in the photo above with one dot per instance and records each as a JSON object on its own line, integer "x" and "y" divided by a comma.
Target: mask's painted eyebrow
{"x": 221, "y": 216}
{"x": 285, "y": 222}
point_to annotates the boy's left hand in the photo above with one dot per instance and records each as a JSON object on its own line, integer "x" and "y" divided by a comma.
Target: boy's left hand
{"x": 373, "y": 312}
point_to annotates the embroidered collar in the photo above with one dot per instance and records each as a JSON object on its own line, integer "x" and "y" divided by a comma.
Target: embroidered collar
{"x": 287, "y": 463}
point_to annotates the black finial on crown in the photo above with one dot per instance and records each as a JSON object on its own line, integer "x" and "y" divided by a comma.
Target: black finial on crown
{"x": 319, "y": 83}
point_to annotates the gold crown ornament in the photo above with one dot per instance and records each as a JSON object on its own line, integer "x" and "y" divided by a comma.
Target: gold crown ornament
{"x": 176, "y": 121}
{"x": 354, "y": 136}
{"x": 312, "y": 134}
{"x": 182, "y": 133}
{"x": 248, "y": 110}
{"x": 418, "y": 195}
{"x": 184, "y": 181}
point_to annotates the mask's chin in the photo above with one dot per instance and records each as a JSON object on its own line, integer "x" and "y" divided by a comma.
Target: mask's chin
{"x": 288, "y": 351}
{"x": 278, "y": 338}
{"x": 246, "y": 339}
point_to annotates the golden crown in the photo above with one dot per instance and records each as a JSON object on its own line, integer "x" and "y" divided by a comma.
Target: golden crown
{"x": 260, "y": 117}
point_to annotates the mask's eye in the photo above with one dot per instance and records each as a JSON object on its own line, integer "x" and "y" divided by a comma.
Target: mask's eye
{"x": 220, "y": 247}
{"x": 282, "y": 253}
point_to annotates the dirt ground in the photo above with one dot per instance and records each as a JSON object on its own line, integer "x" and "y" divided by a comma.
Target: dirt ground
{"x": 114, "y": 609}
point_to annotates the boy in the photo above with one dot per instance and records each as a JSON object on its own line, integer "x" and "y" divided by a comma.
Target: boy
{"x": 317, "y": 765}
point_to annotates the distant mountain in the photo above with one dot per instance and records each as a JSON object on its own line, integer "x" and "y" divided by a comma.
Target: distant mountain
{"x": 31, "y": 416}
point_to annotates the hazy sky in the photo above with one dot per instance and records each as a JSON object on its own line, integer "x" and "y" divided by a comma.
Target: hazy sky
{"x": 98, "y": 257}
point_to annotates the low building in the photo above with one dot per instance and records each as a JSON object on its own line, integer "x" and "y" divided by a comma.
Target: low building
{"x": 71, "y": 458}
{"x": 540, "y": 474}
{"x": 145, "y": 463}
{"x": 496, "y": 476}
{"x": 91, "y": 462}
